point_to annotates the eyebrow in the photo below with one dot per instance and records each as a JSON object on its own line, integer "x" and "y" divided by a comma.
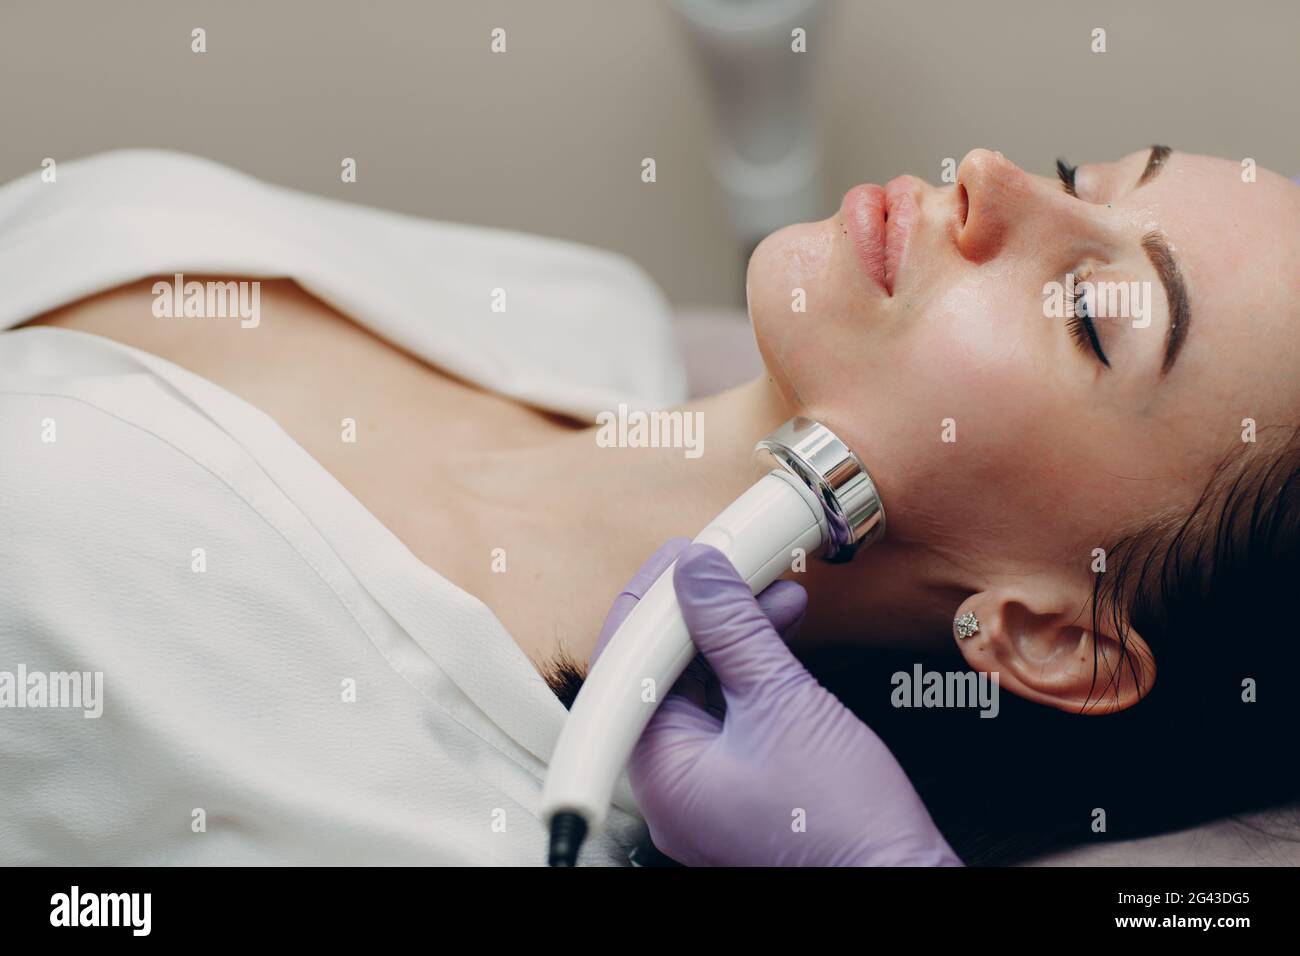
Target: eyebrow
{"x": 1171, "y": 277}
{"x": 1155, "y": 163}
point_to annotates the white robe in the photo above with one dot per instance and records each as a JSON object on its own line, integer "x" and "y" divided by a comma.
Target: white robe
{"x": 315, "y": 694}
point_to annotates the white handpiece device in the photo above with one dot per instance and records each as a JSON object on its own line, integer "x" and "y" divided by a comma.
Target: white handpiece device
{"x": 818, "y": 496}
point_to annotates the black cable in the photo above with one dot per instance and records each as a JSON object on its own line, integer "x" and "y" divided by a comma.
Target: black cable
{"x": 568, "y": 830}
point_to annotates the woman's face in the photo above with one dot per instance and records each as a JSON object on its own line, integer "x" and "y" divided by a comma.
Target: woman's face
{"x": 995, "y": 430}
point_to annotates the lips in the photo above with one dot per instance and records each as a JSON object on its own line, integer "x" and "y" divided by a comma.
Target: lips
{"x": 880, "y": 222}
{"x": 864, "y": 217}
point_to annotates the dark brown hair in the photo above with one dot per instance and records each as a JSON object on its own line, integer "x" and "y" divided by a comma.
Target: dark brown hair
{"x": 1212, "y": 592}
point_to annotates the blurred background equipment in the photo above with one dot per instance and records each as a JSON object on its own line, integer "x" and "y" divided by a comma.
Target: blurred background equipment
{"x": 549, "y": 136}
{"x": 766, "y": 149}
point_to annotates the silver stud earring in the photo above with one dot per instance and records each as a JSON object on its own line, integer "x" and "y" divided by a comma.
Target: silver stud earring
{"x": 967, "y": 625}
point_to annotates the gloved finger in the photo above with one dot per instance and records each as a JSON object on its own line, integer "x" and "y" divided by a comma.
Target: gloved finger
{"x": 784, "y": 603}
{"x": 728, "y": 625}
{"x": 645, "y": 576}
{"x": 678, "y": 717}
{"x": 676, "y": 734}
{"x": 663, "y": 764}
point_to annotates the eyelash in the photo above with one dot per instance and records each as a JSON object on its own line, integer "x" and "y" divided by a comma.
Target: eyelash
{"x": 1082, "y": 328}
{"x": 1066, "y": 173}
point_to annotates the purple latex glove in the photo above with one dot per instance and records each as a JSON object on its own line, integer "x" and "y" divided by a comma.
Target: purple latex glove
{"x": 784, "y": 774}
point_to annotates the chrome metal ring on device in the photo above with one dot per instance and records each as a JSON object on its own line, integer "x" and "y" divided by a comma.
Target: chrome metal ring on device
{"x": 813, "y": 454}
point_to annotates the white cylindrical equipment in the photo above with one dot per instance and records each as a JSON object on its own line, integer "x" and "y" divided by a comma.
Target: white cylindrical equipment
{"x": 817, "y": 494}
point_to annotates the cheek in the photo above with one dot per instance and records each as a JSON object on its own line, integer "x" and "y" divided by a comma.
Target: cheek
{"x": 802, "y": 306}
{"x": 947, "y": 401}
{"x": 911, "y": 381}
{"x": 799, "y": 257}
{"x": 958, "y": 429}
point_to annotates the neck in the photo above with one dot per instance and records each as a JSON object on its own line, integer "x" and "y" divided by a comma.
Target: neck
{"x": 593, "y": 514}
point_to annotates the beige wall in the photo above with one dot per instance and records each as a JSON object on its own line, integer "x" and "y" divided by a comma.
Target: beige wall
{"x": 549, "y": 137}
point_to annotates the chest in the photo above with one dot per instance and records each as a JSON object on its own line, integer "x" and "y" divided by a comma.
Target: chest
{"x": 378, "y": 420}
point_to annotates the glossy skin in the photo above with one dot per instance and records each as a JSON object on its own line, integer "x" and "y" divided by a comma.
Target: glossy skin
{"x": 1055, "y": 454}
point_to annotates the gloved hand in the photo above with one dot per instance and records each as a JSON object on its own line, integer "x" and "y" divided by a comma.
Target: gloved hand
{"x": 784, "y": 775}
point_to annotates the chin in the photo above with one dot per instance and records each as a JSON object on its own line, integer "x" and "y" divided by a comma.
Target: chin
{"x": 797, "y": 257}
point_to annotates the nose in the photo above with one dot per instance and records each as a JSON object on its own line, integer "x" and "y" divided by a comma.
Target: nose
{"x": 999, "y": 195}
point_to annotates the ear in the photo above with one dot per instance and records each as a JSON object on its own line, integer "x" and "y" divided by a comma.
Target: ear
{"x": 1037, "y": 636}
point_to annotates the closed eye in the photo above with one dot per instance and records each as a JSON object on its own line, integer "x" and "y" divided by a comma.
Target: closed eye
{"x": 1082, "y": 328}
